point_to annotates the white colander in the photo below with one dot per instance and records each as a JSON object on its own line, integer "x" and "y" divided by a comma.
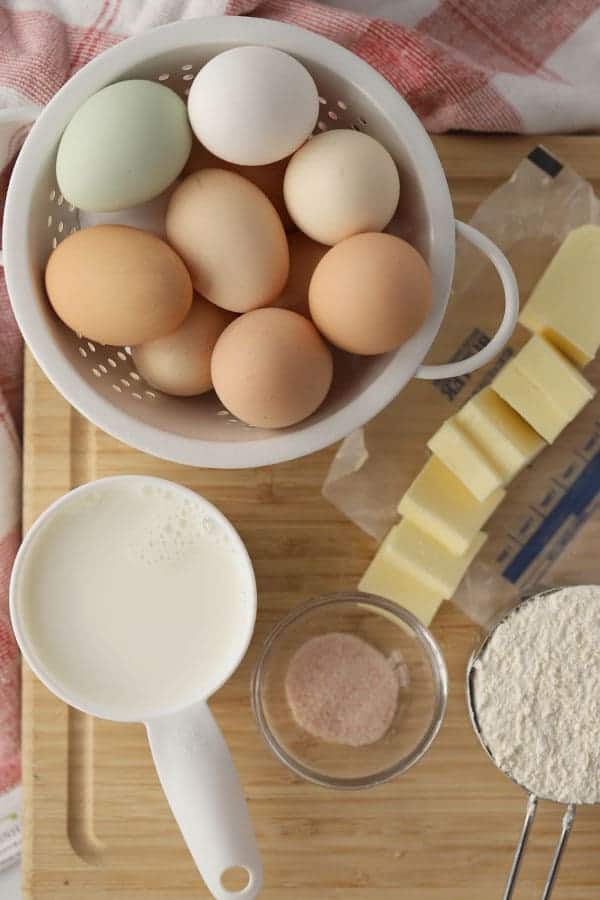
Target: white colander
{"x": 101, "y": 382}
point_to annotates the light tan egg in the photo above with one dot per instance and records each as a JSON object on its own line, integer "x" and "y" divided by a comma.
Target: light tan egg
{"x": 271, "y": 368}
{"x": 268, "y": 178}
{"x": 304, "y": 256}
{"x": 179, "y": 362}
{"x": 340, "y": 183}
{"x": 370, "y": 293}
{"x": 231, "y": 239}
{"x": 118, "y": 285}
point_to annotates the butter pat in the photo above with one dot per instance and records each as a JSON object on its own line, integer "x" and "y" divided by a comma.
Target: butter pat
{"x": 565, "y": 303}
{"x": 543, "y": 387}
{"x": 453, "y": 446}
{"x": 386, "y": 578}
{"x": 439, "y": 503}
{"x": 503, "y": 435}
{"x": 425, "y": 559}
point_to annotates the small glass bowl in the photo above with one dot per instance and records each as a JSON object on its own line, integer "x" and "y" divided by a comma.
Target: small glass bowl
{"x": 423, "y": 696}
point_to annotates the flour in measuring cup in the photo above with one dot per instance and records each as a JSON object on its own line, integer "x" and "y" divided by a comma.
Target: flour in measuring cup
{"x": 536, "y": 691}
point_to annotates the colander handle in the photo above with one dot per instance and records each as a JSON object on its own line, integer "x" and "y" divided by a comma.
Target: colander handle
{"x": 509, "y": 320}
{"x": 200, "y": 782}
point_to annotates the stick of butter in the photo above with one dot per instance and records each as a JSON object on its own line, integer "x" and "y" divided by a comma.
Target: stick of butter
{"x": 544, "y": 387}
{"x": 427, "y": 560}
{"x": 565, "y": 303}
{"x": 463, "y": 457}
{"x": 386, "y": 578}
{"x": 439, "y": 503}
{"x": 507, "y": 440}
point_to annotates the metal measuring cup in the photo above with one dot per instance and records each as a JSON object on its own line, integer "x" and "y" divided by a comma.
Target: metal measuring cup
{"x": 533, "y": 798}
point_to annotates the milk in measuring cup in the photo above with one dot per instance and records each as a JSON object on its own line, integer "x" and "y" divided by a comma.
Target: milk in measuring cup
{"x": 133, "y": 596}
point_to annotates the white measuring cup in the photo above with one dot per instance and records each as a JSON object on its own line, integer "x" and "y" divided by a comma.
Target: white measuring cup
{"x": 191, "y": 757}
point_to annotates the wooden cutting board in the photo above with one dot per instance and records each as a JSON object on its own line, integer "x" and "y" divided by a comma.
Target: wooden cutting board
{"x": 97, "y": 826}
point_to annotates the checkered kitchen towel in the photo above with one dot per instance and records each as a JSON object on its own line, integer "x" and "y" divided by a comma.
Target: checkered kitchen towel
{"x": 506, "y": 65}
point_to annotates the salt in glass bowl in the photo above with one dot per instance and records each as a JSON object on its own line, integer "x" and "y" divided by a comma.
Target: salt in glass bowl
{"x": 422, "y": 698}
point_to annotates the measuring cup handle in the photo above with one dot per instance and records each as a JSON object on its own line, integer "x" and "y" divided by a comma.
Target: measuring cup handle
{"x": 200, "y": 782}
{"x": 509, "y": 320}
{"x": 567, "y": 825}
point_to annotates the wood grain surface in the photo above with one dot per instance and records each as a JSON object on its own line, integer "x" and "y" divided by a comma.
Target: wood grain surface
{"x": 97, "y": 826}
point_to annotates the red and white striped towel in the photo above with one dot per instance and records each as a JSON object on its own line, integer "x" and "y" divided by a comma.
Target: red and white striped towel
{"x": 507, "y": 65}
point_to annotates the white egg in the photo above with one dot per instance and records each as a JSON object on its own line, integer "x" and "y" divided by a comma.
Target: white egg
{"x": 253, "y": 105}
{"x": 341, "y": 183}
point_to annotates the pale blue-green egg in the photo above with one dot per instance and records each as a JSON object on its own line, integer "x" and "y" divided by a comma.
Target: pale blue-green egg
{"x": 124, "y": 146}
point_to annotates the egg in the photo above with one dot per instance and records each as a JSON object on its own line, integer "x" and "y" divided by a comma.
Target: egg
{"x": 125, "y": 145}
{"x": 118, "y": 285}
{"x": 179, "y": 362}
{"x": 370, "y": 293}
{"x": 304, "y": 256}
{"x": 230, "y": 238}
{"x": 271, "y": 369}
{"x": 253, "y": 105}
{"x": 341, "y": 183}
{"x": 268, "y": 178}
{"x": 148, "y": 216}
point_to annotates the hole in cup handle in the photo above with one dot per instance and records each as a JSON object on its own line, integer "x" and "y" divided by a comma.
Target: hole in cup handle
{"x": 509, "y": 320}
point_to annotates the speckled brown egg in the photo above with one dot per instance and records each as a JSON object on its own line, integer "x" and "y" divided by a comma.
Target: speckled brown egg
{"x": 370, "y": 293}
{"x": 231, "y": 239}
{"x": 271, "y": 368}
{"x": 179, "y": 363}
{"x": 118, "y": 285}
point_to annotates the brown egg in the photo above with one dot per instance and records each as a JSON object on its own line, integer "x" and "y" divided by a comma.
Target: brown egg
{"x": 270, "y": 368}
{"x": 268, "y": 178}
{"x": 118, "y": 285}
{"x": 179, "y": 363}
{"x": 304, "y": 256}
{"x": 230, "y": 238}
{"x": 370, "y": 293}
